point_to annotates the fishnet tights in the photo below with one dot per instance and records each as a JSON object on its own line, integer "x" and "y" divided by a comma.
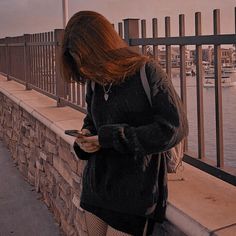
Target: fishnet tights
{"x": 97, "y": 227}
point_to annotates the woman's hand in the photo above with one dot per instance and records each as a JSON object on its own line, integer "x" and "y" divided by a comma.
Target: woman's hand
{"x": 88, "y": 144}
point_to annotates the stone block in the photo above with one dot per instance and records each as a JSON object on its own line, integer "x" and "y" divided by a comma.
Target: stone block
{"x": 47, "y": 199}
{"x": 39, "y": 165}
{"x": 68, "y": 229}
{"x": 51, "y": 135}
{"x": 80, "y": 217}
{"x": 63, "y": 169}
{"x": 76, "y": 177}
{"x": 65, "y": 187}
{"x": 9, "y": 133}
{"x": 80, "y": 167}
{"x": 50, "y": 147}
{"x": 42, "y": 155}
{"x": 50, "y": 170}
{"x": 21, "y": 154}
{"x": 68, "y": 157}
{"x": 31, "y": 178}
{"x": 23, "y": 169}
{"x": 37, "y": 181}
{"x": 78, "y": 227}
{"x": 61, "y": 206}
{"x": 66, "y": 199}
{"x": 25, "y": 141}
{"x": 76, "y": 202}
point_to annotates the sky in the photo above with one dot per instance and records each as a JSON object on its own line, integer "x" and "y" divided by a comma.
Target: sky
{"x": 18, "y": 17}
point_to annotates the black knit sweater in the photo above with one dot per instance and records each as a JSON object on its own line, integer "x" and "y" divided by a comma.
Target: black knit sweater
{"x": 125, "y": 175}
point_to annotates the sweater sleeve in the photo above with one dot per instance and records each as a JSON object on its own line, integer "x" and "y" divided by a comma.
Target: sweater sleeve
{"x": 88, "y": 124}
{"x": 169, "y": 124}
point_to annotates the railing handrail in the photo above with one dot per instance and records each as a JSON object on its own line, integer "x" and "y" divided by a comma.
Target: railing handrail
{"x": 185, "y": 40}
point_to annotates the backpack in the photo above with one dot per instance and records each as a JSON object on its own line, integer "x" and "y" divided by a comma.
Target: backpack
{"x": 174, "y": 155}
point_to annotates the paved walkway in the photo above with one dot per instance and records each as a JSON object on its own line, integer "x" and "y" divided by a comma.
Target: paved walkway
{"x": 21, "y": 213}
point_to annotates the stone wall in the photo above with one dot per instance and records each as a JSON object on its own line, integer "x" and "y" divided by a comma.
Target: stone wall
{"x": 46, "y": 162}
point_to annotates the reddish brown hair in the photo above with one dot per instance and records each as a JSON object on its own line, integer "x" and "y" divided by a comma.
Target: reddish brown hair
{"x": 92, "y": 49}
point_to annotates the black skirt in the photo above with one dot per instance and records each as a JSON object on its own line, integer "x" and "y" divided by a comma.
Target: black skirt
{"x": 131, "y": 224}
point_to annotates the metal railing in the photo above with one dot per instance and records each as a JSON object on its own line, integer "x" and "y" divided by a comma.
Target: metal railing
{"x": 34, "y": 61}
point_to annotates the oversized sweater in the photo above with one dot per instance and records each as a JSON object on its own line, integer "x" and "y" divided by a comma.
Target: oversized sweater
{"x": 124, "y": 175}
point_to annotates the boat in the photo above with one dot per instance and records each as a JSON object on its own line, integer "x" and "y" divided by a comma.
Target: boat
{"x": 228, "y": 69}
{"x": 226, "y": 81}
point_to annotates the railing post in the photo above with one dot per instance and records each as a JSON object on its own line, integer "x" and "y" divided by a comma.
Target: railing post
{"x": 131, "y": 30}
{"x": 168, "y": 47}
{"x": 143, "y": 35}
{"x": 26, "y": 61}
{"x": 199, "y": 79}
{"x": 60, "y": 83}
{"x": 182, "y": 63}
{"x": 120, "y": 29}
{"x": 183, "y": 86}
{"x": 155, "y": 35}
{"x": 7, "y": 41}
{"x": 235, "y": 33}
{"x": 218, "y": 93}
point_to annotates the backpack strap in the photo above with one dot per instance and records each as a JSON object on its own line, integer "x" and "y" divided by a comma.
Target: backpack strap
{"x": 92, "y": 85}
{"x": 145, "y": 83}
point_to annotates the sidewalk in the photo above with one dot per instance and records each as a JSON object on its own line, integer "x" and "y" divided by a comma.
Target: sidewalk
{"x": 21, "y": 213}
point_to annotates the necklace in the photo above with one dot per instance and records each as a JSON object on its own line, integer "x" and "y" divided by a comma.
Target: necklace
{"x": 106, "y": 92}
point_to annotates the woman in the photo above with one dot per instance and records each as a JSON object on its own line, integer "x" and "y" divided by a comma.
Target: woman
{"x": 124, "y": 180}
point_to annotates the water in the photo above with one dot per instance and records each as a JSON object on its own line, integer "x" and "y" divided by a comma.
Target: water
{"x": 229, "y": 119}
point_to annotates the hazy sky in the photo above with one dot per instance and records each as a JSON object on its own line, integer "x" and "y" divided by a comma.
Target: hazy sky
{"x": 31, "y": 16}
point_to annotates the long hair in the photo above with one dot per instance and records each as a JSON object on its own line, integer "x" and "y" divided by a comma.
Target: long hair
{"x": 92, "y": 49}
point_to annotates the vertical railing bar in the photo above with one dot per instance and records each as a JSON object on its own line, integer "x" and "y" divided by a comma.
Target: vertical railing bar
{"x": 199, "y": 88}
{"x": 155, "y": 35}
{"x": 183, "y": 86}
{"x": 50, "y": 63}
{"x": 218, "y": 93}
{"x": 37, "y": 60}
{"x": 32, "y": 58}
{"x": 54, "y": 63}
{"x": 143, "y": 35}
{"x": 35, "y": 57}
{"x": 41, "y": 61}
{"x": 46, "y": 61}
{"x": 44, "y": 65}
{"x": 182, "y": 63}
{"x": 83, "y": 95}
{"x": 79, "y": 99}
{"x": 27, "y": 61}
{"x": 168, "y": 47}
{"x": 8, "y": 58}
{"x": 120, "y": 29}
{"x": 235, "y": 33}
{"x": 60, "y": 84}
{"x": 73, "y": 90}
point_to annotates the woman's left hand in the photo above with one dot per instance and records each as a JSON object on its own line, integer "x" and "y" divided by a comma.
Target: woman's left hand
{"x": 88, "y": 144}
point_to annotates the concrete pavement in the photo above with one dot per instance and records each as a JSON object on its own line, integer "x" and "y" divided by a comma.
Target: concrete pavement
{"x": 21, "y": 211}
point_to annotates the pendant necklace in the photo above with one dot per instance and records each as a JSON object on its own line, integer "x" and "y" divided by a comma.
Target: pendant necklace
{"x": 106, "y": 92}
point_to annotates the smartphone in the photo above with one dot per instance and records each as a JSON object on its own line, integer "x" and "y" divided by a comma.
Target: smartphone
{"x": 75, "y": 133}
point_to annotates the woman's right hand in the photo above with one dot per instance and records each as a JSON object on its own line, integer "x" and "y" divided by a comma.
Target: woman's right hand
{"x": 89, "y": 147}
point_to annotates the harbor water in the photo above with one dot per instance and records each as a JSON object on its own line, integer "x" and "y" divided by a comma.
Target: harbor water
{"x": 229, "y": 119}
